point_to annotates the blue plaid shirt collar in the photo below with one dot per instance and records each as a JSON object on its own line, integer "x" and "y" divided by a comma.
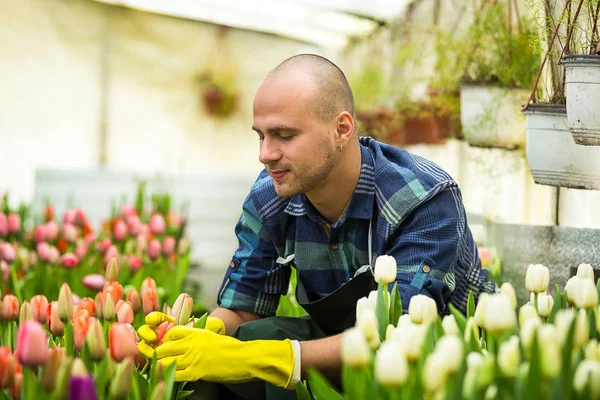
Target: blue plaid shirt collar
{"x": 359, "y": 207}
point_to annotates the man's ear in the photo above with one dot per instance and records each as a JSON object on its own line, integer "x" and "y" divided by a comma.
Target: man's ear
{"x": 344, "y": 127}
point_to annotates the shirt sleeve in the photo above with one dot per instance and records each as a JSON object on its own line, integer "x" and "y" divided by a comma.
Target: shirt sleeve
{"x": 254, "y": 281}
{"x": 435, "y": 252}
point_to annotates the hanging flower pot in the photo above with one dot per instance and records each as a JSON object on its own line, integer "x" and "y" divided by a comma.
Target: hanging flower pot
{"x": 583, "y": 97}
{"x": 219, "y": 102}
{"x": 553, "y": 157}
{"x": 490, "y": 116}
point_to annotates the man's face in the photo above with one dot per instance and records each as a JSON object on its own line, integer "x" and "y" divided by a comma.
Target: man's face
{"x": 296, "y": 146}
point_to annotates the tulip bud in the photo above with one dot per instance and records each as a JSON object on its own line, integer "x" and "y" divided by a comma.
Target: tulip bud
{"x": 133, "y": 225}
{"x": 114, "y": 289}
{"x": 527, "y": 311}
{"x": 7, "y": 367}
{"x": 50, "y": 231}
{"x": 15, "y": 390}
{"x": 588, "y": 374}
{"x": 14, "y": 223}
{"x": 80, "y": 217}
{"x": 585, "y": 271}
{"x": 159, "y": 392}
{"x": 112, "y": 270}
{"x": 5, "y": 270}
{"x": 70, "y": 233}
{"x": 499, "y": 314}
{"x": 95, "y": 340}
{"x": 545, "y": 304}
{"x": 182, "y": 309}
{"x": 81, "y": 251}
{"x": 434, "y": 375}
{"x": 485, "y": 255}
{"x": 111, "y": 252}
{"x": 55, "y": 325}
{"x": 134, "y": 263}
{"x": 82, "y": 387}
{"x": 587, "y": 294}
{"x": 450, "y": 326}
{"x": 411, "y": 340}
{"x": 150, "y": 301}
{"x": 32, "y": 344}
{"x": 537, "y": 278}
{"x": 148, "y": 283}
{"x": 93, "y": 282}
{"x": 65, "y": 303}
{"x": 373, "y": 298}
{"x": 471, "y": 330}
{"x": 53, "y": 255}
{"x": 385, "y": 269}
{"x": 391, "y": 367}
{"x": 78, "y": 368}
{"x": 509, "y": 357}
{"x": 3, "y": 225}
{"x": 125, "y": 313}
{"x": 120, "y": 231}
{"x": 528, "y": 329}
{"x": 7, "y": 252}
{"x": 121, "y": 384}
{"x": 26, "y": 313}
{"x": 183, "y": 247}
{"x": 108, "y": 312}
{"x": 157, "y": 224}
{"x": 508, "y": 290}
{"x": 422, "y": 310}
{"x": 480, "y": 310}
{"x": 451, "y": 350}
{"x": 133, "y": 297}
{"x": 39, "y": 306}
{"x": 154, "y": 249}
{"x": 50, "y": 371}
{"x": 99, "y": 305}
{"x": 10, "y": 308}
{"x": 389, "y": 331}
{"x": 368, "y": 324}
{"x": 168, "y": 246}
{"x": 81, "y": 326}
{"x": 122, "y": 343}
{"x": 69, "y": 260}
{"x": 592, "y": 350}
{"x": 355, "y": 350}
{"x": 549, "y": 345}
{"x": 404, "y": 321}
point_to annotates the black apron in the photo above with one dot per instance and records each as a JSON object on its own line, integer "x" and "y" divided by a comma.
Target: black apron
{"x": 336, "y": 312}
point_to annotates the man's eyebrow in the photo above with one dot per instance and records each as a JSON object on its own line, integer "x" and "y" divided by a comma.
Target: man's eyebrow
{"x": 278, "y": 128}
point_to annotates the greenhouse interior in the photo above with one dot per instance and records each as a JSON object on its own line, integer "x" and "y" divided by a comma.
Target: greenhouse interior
{"x": 300, "y": 199}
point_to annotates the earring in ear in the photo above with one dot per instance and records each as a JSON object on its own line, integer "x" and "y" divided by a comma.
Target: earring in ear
{"x": 340, "y": 148}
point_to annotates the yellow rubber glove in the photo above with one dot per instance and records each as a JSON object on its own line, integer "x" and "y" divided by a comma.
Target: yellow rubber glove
{"x": 202, "y": 354}
{"x": 155, "y": 318}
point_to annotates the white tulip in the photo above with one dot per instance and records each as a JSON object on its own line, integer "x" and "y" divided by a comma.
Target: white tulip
{"x": 391, "y": 367}
{"x": 572, "y": 288}
{"x": 509, "y": 357}
{"x": 385, "y": 269}
{"x": 563, "y": 321}
{"x": 582, "y": 329}
{"x": 450, "y": 326}
{"x": 585, "y": 271}
{"x": 404, "y": 321}
{"x": 480, "y": 309}
{"x": 422, "y": 310}
{"x": 587, "y": 294}
{"x": 355, "y": 350}
{"x": 363, "y": 304}
{"x": 528, "y": 329}
{"x": 451, "y": 350}
{"x": 474, "y": 360}
{"x": 499, "y": 314}
{"x": 527, "y": 311}
{"x": 508, "y": 290}
{"x": 471, "y": 330}
{"x": 411, "y": 338}
{"x": 368, "y": 324}
{"x": 545, "y": 304}
{"x": 537, "y": 278}
{"x": 388, "y": 332}
{"x": 434, "y": 375}
{"x": 592, "y": 350}
{"x": 373, "y": 298}
{"x": 588, "y": 373}
{"x": 550, "y": 347}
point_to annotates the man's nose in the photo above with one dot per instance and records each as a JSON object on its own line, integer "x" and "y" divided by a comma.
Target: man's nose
{"x": 269, "y": 151}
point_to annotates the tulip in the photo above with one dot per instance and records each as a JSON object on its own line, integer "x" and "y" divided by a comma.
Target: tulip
{"x": 112, "y": 270}
{"x": 10, "y": 308}
{"x": 563, "y": 321}
{"x": 509, "y": 357}
{"x": 39, "y": 305}
{"x": 450, "y": 326}
{"x": 120, "y": 231}
{"x": 69, "y": 260}
{"x": 103, "y": 245}
{"x": 586, "y": 295}
{"x": 160, "y": 391}
{"x": 422, "y": 310}
{"x": 587, "y": 374}
{"x": 125, "y": 313}
{"x": 389, "y": 331}
{"x": 182, "y": 309}
{"x": 108, "y": 311}
{"x": 572, "y": 288}
{"x": 168, "y": 246}
{"x": 142, "y": 242}
{"x": 115, "y": 290}
{"x": 451, "y": 350}
{"x": 471, "y": 330}
{"x": 99, "y": 303}
{"x": 81, "y": 326}
{"x": 3, "y": 225}
{"x": 148, "y": 283}
{"x": 25, "y": 313}
{"x": 154, "y": 249}
{"x": 70, "y": 233}
{"x": 55, "y": 358}
{"x": 391, "y": 367}
{"x": 53, "y": 255}
{"x": 133, "y": 298}
{"x": 373, "y": 298}
{"x": 81, "y": 250}
{"x": 69, "y": 216}
{"x": 157, "y": 224}
{"x": 508, "y": 290}
{"x": 434, "y": 375}
{"x": 14, "y": 223}
{"x": 184, "y": 246}
{"x": 585, "y": 271}
{"x": 87, "y": 303}
{"x": 550, "y": 350}
{"x": 528, "y": 329}
{"x": 121, "y": 384}
{"x": 121, "y": 342}
{"x": 134, "y": 263}
{"x": 5, "y": 269}
{"x": 480, "y": 310}
{"x": 499, "y": 314}
{"x": 404, "y": 321}
{"x": 527, "y": 311}
{"x": 51, "y": 230}
{"x": 128, "y": 210}
{"x": 82, "y": 387}
{"x": 55, "y": 325}
{"x": 537, "y": 278}
{"x": 42, "y": 250}
{"x": 545, "y": 303}
{"x": 133, "y": 225}
{"x": 385, "y": 269}
{"x": 95, "y": 340}
{"x": 32, "y": 344}
{"x": 484, "y": 255}
{"x": 411, "y": 340}
{"x": 80, "y": 218}
{"x": 78, "y": 368}
{"x": 93, "y": 282}
{"x": 7, "y": 252}
{"x": 150, "y": 301}
{"x": 592, "y": 350}
{"x": 111, "y": 252}
{"x": 7, "y": 367}
{"x": 368, "y": 324}
{"x": 355, "y": 350}
{"x": 15, "y": 390}
{"x": 65, "y": 303}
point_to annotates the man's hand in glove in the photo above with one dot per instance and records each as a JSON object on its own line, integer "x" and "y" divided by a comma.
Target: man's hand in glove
{"x": 203, "y": 354}
{"x": 154, "y": 319}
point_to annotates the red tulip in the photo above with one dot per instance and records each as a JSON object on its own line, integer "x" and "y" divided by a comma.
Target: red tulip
{"x": 3, "y": 225}
{"x": 150, "y": 301}
{"x": 39, "y": 306}
{"x": 55, "y": 325}
{"x": 154, "y": 249}
{"x": 168, "y": 245}
{"x": 157, "y": 224}
{"x": 10, "y": 308}
{"x": 32, "y": 344}
{"x": 80, "y": 330}
{"x": 115, "y": 289}
{"x": 133, "y": 297}
{"x": 119, "y": 230}
{"x": 7, "y": 367}
{"x": 122, "y": 343}
{"x": 125, "y": 312}
{"x": 14, "y": 223}
{"x": 161, "y": 331}
{"x": 7, "y": 252}
{"x": 128, "y": 210}
{"x": 69, "y": 261}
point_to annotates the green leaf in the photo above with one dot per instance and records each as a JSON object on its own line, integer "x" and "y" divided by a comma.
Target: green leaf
{"x": 382, "y": 312}
{"x": 101, "y": 378}
{"x": 471, "y": 305}
{"x": 557, "y": 304}
{"x": 395, "y": 305}
{"x": 533, "y": 381}
{"x": 201, "y": 322}
{"x": 87, "y": 358}
{"x": 461, "y": 321}
{"x": 184, "y": 394}
{"x": 169, "y": 376}
{"x": 321, "y": 387}
{"x": 302, "y": 392}
{"x": 143, "y": 386}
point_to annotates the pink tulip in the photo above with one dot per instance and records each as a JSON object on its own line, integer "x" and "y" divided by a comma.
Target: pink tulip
{"x": 125, "y": 313}
{"x": 87, "y": 303}
{"x": 182, "y": 309}
{"x": 51, "y": 231}
{"x": 81, "y": 250}
{"x": 69, "y": 260}
{"x": 70, "y": 233}
{"x": 110, "y": 253}
{"x": 103, "y": 245}
{"x": 69, "y": 216}
{"x": 148, "y": 283}
{"x": 5, "y": 269}
{"x": 76, "y": 299}
{"x": 128, "y": 210}
{"x": 7, "y": 367}
{"x": 14, "y": 223}
{"x": 122, "y": 343}
{"x": 40, "y": 233}
{"x": 157, "y": 224}
{"x": 43, "y": 249}
{"x": 89, "y": 238}
{"x": 93, "y": 282}
{"x": 10, "y": 308}
{"x": 134, "y": 263}
{"x": 80, "y": 218}
{"x": 7, "y": 252}
{"x": 115, "y": 290}
{"x": 55, "y": 325}
{"x": 39, "y": 305}
{"x": 142, "y": 242}
{"x": 133, "y": 225}
{"x": 53, "y": 255}
{"x": 144, "y": 229}
{"x": 3, "y": 225}
{"x": 168, "y": 245}
{"x": 154, "y": 249}
{"x": 161, "y": 331}
{"x": 32, "y": 344}
{"x": 150, "y": 301}
{"x": 120, "y": 231}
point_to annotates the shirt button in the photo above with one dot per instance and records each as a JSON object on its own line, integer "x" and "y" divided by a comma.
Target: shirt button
{"x": 335, "y": 246}
{"x": 426, "y": 268}
{"x": 231, "y": 264}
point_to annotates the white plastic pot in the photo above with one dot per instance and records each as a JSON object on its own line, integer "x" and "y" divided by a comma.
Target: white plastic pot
{"x": 583, "y": 97}
{"x": 491, "y": 116}
{"x": 553, "y": 157}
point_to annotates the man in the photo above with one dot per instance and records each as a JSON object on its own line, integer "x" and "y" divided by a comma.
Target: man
{"x": 327, "y": 203}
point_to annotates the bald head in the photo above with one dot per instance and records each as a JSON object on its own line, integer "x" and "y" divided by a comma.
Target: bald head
{"x": 332, "y": 93}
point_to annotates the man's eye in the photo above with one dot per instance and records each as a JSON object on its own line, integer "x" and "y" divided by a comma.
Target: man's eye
{"x": 285, "y": 137}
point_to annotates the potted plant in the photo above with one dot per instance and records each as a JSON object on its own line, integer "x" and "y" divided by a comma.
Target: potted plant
{"x": 554, "y": 158}
{"x": 502, "y": 61}
{"x": 583, "y": 74}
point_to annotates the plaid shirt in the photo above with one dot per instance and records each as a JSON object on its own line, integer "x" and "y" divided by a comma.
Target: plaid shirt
{"x": 417, "y": 217}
